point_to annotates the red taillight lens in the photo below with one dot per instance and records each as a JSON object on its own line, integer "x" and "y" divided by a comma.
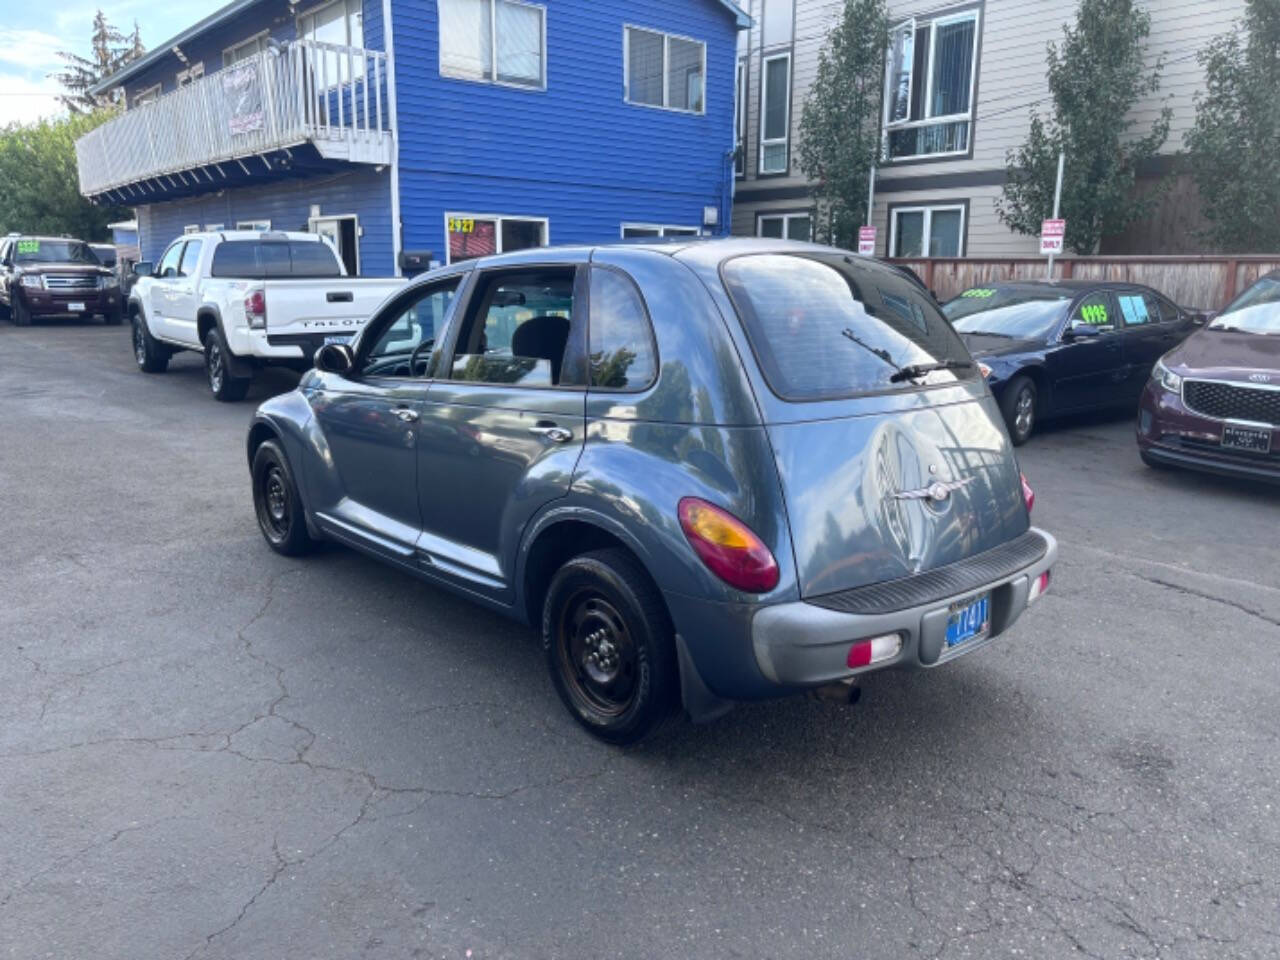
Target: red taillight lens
{"x": 255, "y": 308}
{"x": 1028, "y": 495}
{"x": 728, "y": 546}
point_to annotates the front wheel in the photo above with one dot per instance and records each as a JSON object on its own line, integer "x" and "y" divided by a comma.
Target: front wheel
{"x": 19, "y": 314}
{"x": 277, "y": 502}
{"x": 225, "y": 387}
{"x": 610, "y": 646}
{"x": 151, "y": 355}
{"x": 1020, "y": 407}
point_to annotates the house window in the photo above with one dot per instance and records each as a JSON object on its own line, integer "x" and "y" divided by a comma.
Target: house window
{"x": 635, "y": 231}
{"x": 149, "y": 95}
{"x": 929, "y": 86}
{"x": 740, "y": 123}
{"x": 479, "y": 235}
{"x": 775, "y": 27}
{"x": 190, "y": 75}
{"x": 244, "y": 50}
{"x": 214, "y": 227}
{"x": 496, "y": 41}
{"x": 340, "y": 23}
{"x": 191, "y": 228}
{"x": 262, "y": 226}
{"x": 789, "y": 226}
{"x": 663, "y": 70}
{"x": 927, "y": 231}
{"x": 775, "y": 113}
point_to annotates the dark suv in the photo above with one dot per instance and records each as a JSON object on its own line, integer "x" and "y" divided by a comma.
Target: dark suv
{"x": 716, "y": 471}
{"x": 55, "y": 277}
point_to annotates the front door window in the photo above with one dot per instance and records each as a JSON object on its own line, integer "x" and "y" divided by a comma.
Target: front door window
{"x": 405, "y": 334}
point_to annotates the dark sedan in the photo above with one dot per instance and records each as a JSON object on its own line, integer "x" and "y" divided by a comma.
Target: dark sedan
{"x": 1053, "y": 348}
{"x": 1213, "y": 404}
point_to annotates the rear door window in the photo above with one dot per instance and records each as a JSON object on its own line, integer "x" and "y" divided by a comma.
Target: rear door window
{"x": 1135, "y": 309}
{"x": 824, "y": 328}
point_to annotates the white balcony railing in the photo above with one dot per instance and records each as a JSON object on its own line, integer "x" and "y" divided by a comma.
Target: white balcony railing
{"x": 329, "y": 95}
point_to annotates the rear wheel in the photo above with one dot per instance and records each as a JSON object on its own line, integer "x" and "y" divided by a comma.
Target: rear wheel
{"x": 1020, "y": 407}
{"x": 277, "y": 502}
{"x": 610, "y": 646}
{"x": 225, "y": 387}
{"x": 151, "y": 355}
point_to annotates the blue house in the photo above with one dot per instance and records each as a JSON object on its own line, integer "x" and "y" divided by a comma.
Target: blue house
{"x": 419, "y": 131}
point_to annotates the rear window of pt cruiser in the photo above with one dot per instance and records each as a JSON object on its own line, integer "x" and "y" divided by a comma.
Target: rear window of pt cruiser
{"x": 830, "y": 327}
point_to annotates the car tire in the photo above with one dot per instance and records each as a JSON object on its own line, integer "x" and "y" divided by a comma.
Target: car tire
{"x": 19, "y": 315}
{"x": 151, "y": 355}
{"x": 610, "y": 646}
{"x": 224, "y": 386}
{"x": 113, "y": 318}
{"x": 277, "y": 503}
{"x": 1020, "y": 406}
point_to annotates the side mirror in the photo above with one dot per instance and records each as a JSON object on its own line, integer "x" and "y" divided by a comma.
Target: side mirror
{"x": 1202, "y": 317}
{"x": 1079, "y": 330}
{"x": 335, "y": 358}
{"x": 143, "y": 268}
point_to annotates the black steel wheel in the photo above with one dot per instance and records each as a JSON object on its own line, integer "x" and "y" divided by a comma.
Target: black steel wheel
{"x": 1020, "y": 407}
{"x": 224, "y": 386}
{"x": 151, "y": 355}
{"x": 277, "y": 503}
{"x": 19, "y": 315}
{"x": 610, "y": 646}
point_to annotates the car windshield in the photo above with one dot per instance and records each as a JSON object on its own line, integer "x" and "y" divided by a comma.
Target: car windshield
{"x": 54, "y": 251}
{"x": 825, "y": 328}
{"x": 1026, "y": 315}
{"x": 1257, "y": 310}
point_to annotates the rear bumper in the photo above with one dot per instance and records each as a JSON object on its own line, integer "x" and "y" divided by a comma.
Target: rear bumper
{"x": 801, "y": 644}
{"x": 1170, "y": 434}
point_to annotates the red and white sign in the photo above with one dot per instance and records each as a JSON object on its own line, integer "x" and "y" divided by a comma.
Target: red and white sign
{"x": 1051, "y": 234}
{"x": 867, "y": 241}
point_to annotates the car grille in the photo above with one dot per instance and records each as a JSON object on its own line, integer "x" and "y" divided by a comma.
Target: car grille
{"x": 1228, "y": 401}
{"x": 74, "y": 282}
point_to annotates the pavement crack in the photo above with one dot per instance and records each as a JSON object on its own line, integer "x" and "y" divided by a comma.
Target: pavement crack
{"x": 1204, "y": 595}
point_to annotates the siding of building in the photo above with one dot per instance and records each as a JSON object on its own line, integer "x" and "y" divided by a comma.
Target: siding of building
{"x": 1011, "y": 80}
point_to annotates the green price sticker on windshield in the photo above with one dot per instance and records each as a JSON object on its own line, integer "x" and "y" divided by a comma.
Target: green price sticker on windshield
{"x": 28, "y": 246}
{"x": 980, "y": 293}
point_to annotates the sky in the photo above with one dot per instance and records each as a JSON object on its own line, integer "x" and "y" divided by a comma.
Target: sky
{"x": 34, "y": 32}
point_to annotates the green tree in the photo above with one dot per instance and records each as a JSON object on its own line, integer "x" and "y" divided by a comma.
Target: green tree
{"x": 1234, "y": 145}
{"x": 1095, "y": 78}
{"x": 109, "y": 51}
{"x": 840, "y": 124}
{"x": 41, "y": 184}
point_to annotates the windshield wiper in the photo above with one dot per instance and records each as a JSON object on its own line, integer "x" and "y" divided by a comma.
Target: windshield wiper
{"x": 986, "y": 333}
{"x": 915, "y": 370}
{"x": 882, "y": 354}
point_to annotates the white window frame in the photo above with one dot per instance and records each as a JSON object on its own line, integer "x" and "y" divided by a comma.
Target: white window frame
{"x": 493, "y": 47}
{"x": 214, "y": 227}
{"x": 497, "y": 238}
{"x": 786, "y": 217}
{"x": 928, "y": 209}
{"x": 975, "y": 15}
{"x": 155, "y": 91}
{"x": 666, "y": 72}
{"x": 256, "y": 39}
{"x": 662, "y": 228}
{"x": 346, "y": 20}
{"x": 356, "y": 232}
{"x": 740, "y": 117}
{"x": 261, "y": 226}
{"x": 190, "y": 75}
{"x": 785, "y": 139}
{"x": 190, "y": 228}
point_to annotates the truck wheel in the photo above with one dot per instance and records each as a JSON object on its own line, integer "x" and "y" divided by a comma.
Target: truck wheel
{"x": 277, "y": 503}
{"x": 152, "y": 356}
{"x": 19, "y": 314}
{"x": 610, "y": 646}
{"x": 225, "y": 387}
{"x": 1020, "y": 406}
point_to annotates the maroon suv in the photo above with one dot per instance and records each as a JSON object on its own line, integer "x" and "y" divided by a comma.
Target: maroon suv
{"x": 1213, "y": 403}
{"x": 55, "y": 276}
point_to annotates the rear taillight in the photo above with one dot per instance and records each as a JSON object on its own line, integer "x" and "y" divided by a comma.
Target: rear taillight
{"x": 728, "y": 546}
{"x": 255, "y": 308}
{"x": 1028, "y": 495}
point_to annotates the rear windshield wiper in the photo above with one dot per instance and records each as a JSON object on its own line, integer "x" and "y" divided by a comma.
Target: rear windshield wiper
{"x": 915, "y": 370}
{"x": 882, "y": 354}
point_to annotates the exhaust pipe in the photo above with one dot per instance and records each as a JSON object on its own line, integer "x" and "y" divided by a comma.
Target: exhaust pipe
{"x": 842, "y": 691}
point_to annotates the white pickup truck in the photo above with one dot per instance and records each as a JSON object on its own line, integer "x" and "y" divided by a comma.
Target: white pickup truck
{"x": 247, "y": 299}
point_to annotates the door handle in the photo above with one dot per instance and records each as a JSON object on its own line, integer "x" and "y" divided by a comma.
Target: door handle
{"x": 552, "y": 432}
{"x": 407, "y": 414}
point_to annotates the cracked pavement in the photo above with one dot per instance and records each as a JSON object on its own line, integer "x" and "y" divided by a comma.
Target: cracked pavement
{"x": 208, "y": 751}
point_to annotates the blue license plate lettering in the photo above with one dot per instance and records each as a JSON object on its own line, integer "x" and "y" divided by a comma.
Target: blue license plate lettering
{"x": 969, "y": 619}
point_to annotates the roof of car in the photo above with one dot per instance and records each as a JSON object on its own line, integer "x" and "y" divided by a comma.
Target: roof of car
{"x": 1061, "y": 286}
{"x": 41, "y": 236}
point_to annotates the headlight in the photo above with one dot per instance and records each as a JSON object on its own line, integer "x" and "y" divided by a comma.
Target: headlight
{"x": 33, "y": 280}
{"x": 107, "y": 283}
{"x": 1166, "y": 377}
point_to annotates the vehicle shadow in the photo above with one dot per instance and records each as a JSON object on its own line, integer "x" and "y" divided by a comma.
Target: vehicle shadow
{"x": 267, "y": 382}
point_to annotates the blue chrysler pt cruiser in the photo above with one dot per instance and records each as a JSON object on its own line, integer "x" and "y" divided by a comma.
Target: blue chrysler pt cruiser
{"x": 711, "y": 471}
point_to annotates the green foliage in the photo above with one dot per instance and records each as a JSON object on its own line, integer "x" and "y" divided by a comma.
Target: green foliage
{"x": 111, "y": 50}
{"x": 840, "y": 125}
{"x": 1235, "y": 143}
{"x": 41, "y": 184}
{"x": 1095, "y": 78}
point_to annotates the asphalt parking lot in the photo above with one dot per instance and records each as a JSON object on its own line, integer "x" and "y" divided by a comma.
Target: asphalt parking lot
{"x": 209, "y": 751}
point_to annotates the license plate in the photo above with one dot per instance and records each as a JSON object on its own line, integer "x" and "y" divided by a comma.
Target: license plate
{"x": 968, "y": 620}
{"x": 76, "y": 307}
{"x": 1246, "y": 438}
{"x": 345, "y": 338}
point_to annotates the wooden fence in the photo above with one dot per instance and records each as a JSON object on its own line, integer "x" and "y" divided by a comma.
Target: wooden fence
{"x": 1202, "y": 282}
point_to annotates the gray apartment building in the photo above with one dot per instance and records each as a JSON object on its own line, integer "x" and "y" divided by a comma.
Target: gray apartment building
{"x": 963, "y": 78}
